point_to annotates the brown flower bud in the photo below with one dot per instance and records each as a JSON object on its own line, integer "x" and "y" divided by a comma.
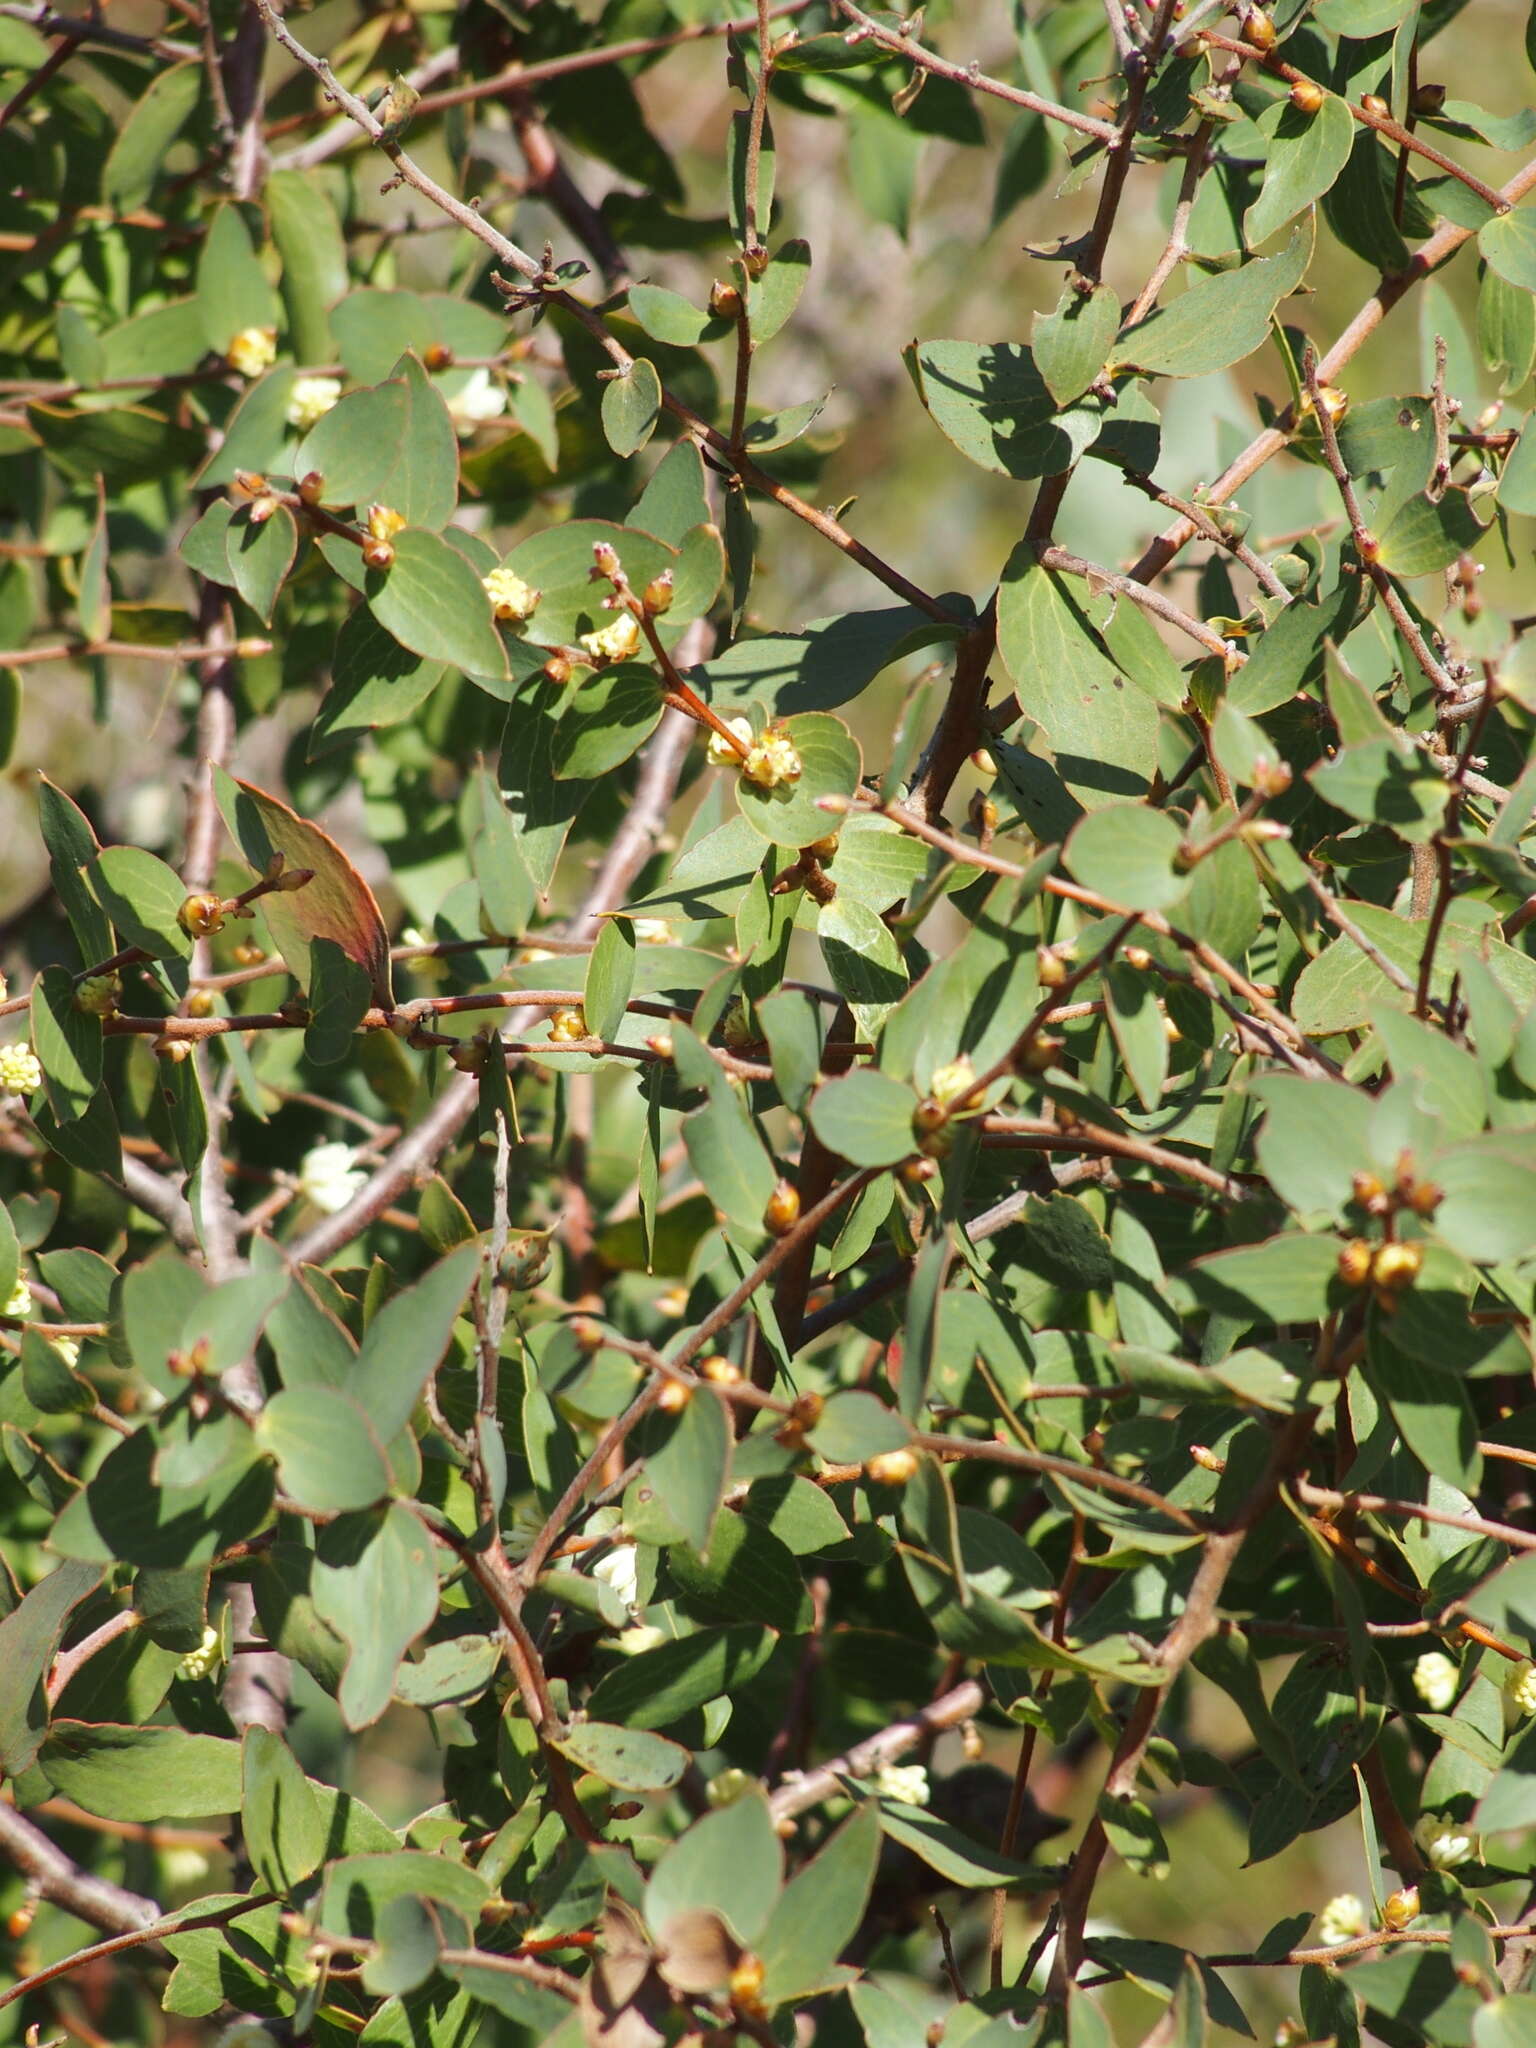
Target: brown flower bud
{"x": 725, "y": 302}
{"x": 437, "y": 355}
{"x": 379, "y": 554}
{"x": 247, "y": 484}
{"x": 311, "y": 488}
{"x": 747, "y": 1983}
{"x": 201, "y": 916}
{"x": 783, "y": 1210}
{"x": 929, "y": 1116}
{"x": 1372, "y": 103}
{"x": 1258, "y": 30}
{"x": 1423, "y": 1197}
{"x": 200, "y": 1003}
{"x": 1307, "y": 97}
{"x": 657, "y": 595}
{"x": 674, "y": 1397}
{"x": 720, "y": 1371}
{"x": 1138, "y": 957}
{"x": 558, "y": 668}
{"x": 1051, "y": 967}
{"x": 1428, "y": 100}
{"x": 1038, "y": 1053}
{"x": 1354, "y": 1265}
{"x": 891, "y": 1468}
{"x": 1396, "y": 1266}
{"x": 248, "y": 954}
{"x": 913, "y": 1172}
{"x": 165, "y": 1047}
{"x": 1368, "y": 1190}
{"x": 605, "y": 558}
{"x": 1401, "y": 1909}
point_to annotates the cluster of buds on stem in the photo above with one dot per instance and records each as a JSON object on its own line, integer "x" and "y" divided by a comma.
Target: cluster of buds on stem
{"x": 1389, "y": 1269}
{"x": 1406, "y": 1191}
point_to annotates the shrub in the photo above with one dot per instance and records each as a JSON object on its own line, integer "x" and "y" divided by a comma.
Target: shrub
{"x": 661, "y": 1261}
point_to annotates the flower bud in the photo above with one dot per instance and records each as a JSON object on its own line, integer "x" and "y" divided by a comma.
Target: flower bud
{"x": 98, "y": 995}
{"x": 1354, "y": 1263}
{"x": 1368, "y": 1190}
{"x": 1258, "y": 30}
{"x": 247, "y": 484}
{"x": 379, "y": 554}
{"x": 725, "y": 301}
{"x": 1038, "y": 1053}
{"x": 1272, "y": 778}
{"x": 558, "y": 668}
{"x": 951, "y": 1081}
{"x": 720, "y": 1371}
{"x": 1428, "y": 100}
{"x": 783, "y": 1209}
{"x": 567, "y": 1025}
{"x": 891, "y": 1468}
{"x": 674, "y": 1397}
{"x": 311, "y": 488}
{"x": 200, "y": 1003}
{"x": 605, "y": 558}
{"x": 1401, "y": 1909}
{"x": 984, "y": 761}
{"x": 384, "y": 522}
{"x": 1051, "y": 967}
{"x": 262, "y": 508}
{"x": 1307, "y": 97}
{"x": 913, "y": 1172}
{"x": 719, "y": 753}
{"x": 660, "y": 1043}
{"x": 1372, "y": 103}
{"x": 747, "y": 1983}
{"x": 437, "y": 355}
{"x": 1396, "y": 1266}
{"x": 173, "y": 1049}
{"x": 657, "y": 595}
{"x": 248, "y": 954}
{"x": 201, "y": 916}
{"x": 1138, "y": 957}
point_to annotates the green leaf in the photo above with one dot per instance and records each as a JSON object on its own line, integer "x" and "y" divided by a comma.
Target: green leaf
{"x": 1423, "y": 537}
{"x": 687, "y": 1467}
{"x": 1306, "y": 154}
{"x": 1517, "y": 480}
{"x": 864, "y": 1117}
{"x": 820, "y": 1911}
{"x": 748, "y": 1574}
{"x": 657, "y": 1687}
{"x": 1218, "y": 321}
{"x": 68, "y": 1044}
{"x": 825, "y": 664}
{"x": 855, "y": 1426}
{"x": 374, "y": 682}
{"x": 279, "y": 1813}
{"x": 1129, "y": 854}
{"x": 375, "y": 1583}
{"x": 1139, "y": 1025}
{"x": 336, "y": 903}
{"x": 558, "y": 563}
{"x": 773, "y": 297}
{"x": 632, "y": 407}
{"x": 610, "y": 717}
{"x": 141, "y": 1774}
{"x": 328, "y": 1455}
{"x": 1072, "y": 345}
{"x": 1506, "y": 331}
{"x": 309, "y": 240}
{"x": 432, "y": 601}
{"x": 142, "y": 896}
{"x": 994, "y": 405}
{"x": 138, "y": 154}
{"x": 260, "y": 556}
{"x": 610, "y": 977}
{"x": 730, "y": 1862}
{"x": 29, "y": 1637}
{"x": 232, "y": 289}
{"x": 394, "y": 445}
{"x": 1508, "y": 246}
{"x": 956, "y": 1858}
{"x": 626, "y": 1757}
{"x": 1289, "y": 1279}
{"x": 1336, "y": 989}
{"x": 831, "y": 765}
{"x": 339, "y": 998}
{"x": 405, "y": 1342}
{"x": 1102, "y": 731}
{"x": 668, "y": 316}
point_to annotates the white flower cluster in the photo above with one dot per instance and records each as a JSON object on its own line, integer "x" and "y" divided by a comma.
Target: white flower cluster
{"x": 617, "y": 641}
{"x": 1521, "y": 1687}
{"x": 310, "y": 399}
{"x": 19, "y": 1301}
{"x": 906, "y": 1783}
{"x": 619, "y": 1570}
{"x": 1436, "y": 1678}
{"x": 1443, "y": 1843}
{"x": 481, "y": 399}
{"x": 329, "y": 1176}
{"x": 205, "y": 1659}
{"x": 1342, "y": 1919}
{"x": 511, "y": 598}
{"x": 20, "y": 1072}
{"x": 253, "y": 350}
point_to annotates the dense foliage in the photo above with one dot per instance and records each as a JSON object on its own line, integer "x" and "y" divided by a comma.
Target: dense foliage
{"x": 659, "y": 1262}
